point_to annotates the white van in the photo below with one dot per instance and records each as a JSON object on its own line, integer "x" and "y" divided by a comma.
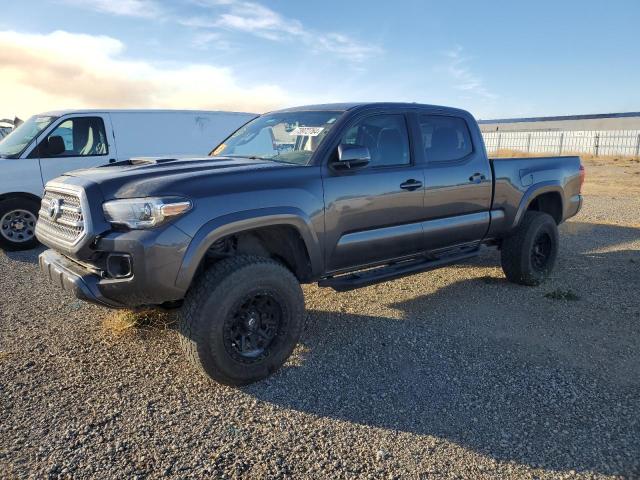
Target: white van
{"x": 50, "y": 144}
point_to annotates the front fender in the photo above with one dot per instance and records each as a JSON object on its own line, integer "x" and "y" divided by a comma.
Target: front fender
{"x": 21, "y": 175}
{"x": 242, "y": 221}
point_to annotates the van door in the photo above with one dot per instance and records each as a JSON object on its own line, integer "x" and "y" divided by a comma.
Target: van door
{"x": 85, "y": 140}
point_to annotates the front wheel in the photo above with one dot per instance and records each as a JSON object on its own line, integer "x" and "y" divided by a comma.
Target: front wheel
{"x": 242, "y": 319}
{"x": 529, "y": 255}
{"x": 18, "y": 218}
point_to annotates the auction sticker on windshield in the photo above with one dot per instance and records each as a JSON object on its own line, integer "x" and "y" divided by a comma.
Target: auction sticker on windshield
{"x": 307, "y": 131}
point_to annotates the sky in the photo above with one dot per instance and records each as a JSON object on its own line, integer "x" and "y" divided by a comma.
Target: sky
{"x": 496, "y": 59}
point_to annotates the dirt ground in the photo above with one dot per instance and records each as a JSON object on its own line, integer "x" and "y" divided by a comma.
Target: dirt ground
{"x": 450, "y": 374}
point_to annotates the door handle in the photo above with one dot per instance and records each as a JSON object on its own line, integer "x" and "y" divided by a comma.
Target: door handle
{"x": 411, "y": 184}
{"x": 477, "y": 178}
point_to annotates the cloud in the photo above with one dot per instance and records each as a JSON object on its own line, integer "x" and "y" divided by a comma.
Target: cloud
{"x": 239, "y": 16}
{"x": 259, "y": 20}
{"x": 464, "y": 79}
{"x": 40, "y": 72}
{"x": 256, "y": 19}
{"x": 125, "y": 8}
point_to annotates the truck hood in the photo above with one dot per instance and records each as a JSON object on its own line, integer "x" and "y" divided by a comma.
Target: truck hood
{"x": 169, "y": 176}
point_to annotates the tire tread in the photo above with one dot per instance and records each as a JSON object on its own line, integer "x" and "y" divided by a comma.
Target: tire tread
{"x": 513, "y": 249}
{"x": 193, "y": 328}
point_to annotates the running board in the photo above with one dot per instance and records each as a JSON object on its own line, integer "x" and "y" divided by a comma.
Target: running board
{"x": 364, "y": 278}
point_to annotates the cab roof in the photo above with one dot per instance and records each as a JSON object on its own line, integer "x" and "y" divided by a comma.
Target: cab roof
{"x": 343, "y": 107}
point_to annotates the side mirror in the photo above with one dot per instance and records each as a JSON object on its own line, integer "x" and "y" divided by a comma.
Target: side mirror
{"x": 54, "y": 146}
{"x": 351, "y": 157}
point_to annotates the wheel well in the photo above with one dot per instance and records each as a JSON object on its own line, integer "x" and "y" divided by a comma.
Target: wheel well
{"x": 550, "y": 203}
{"x": 280, "y": 242}
{"x": 30, "y": 196}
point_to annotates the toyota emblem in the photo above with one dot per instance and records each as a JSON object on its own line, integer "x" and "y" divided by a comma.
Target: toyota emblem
{"x": 54, "y": 208}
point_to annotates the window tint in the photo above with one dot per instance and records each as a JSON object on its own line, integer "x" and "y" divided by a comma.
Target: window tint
{"x": 385, "y": 136}
{"x": 445, "y": 138}
{"x": 82, "y": 137}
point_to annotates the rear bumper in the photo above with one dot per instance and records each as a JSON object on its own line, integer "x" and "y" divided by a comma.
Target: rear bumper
{"x": 73, "y": 278}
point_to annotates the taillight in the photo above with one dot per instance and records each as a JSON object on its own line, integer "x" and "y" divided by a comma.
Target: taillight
{"x": 582, "y": 173}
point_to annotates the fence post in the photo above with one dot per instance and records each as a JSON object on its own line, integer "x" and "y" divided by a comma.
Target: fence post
{"x": 529, "y": 143}
{"x": 498, "y": 146}
{"x": 561, "y": 142}
{"x": 597, "y": 144}
{"x": 638, "y": 146}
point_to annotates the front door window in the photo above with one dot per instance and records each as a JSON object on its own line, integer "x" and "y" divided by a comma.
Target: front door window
{"x": 82, "y": 137}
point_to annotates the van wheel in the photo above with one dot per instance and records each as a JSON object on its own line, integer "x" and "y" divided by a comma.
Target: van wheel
{"x": 18, "y": 218}
{"x": 242, "y": 319}
{"x": 529, "y": 255}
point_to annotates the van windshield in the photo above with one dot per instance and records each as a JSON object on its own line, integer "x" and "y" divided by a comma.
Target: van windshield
{"x": 14, "y": 144}
{"x": 288, "y": 137}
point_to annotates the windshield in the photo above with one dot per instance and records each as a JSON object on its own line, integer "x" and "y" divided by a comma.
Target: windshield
{"x": 289, "y": 137}
{"x": 15, "y": 143}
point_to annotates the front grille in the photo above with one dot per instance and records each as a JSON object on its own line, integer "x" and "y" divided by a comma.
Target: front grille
{"x": 67, "y": 223}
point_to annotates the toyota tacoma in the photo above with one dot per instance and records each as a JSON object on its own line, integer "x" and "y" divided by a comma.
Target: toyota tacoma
{"x": 345, "y": 195}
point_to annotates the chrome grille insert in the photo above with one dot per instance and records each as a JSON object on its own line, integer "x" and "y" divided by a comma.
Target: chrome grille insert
{"x": 60, "y": 218}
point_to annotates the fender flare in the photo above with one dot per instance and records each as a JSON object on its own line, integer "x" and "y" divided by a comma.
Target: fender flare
{"x": 530, "y": 195}
{"x": 237, "y": 222}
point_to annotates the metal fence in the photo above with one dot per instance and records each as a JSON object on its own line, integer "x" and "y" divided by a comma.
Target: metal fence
{"x": 603, "y": 142}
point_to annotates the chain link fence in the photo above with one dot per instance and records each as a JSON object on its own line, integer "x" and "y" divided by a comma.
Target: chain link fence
{"x": 599, "y": 143}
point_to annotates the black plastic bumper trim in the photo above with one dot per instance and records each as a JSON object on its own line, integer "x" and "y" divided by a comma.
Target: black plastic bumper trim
{"x": 72, "y": 277}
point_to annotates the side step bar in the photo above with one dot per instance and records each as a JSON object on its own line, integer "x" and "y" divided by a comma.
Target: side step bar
{"x": 364, "y": 278}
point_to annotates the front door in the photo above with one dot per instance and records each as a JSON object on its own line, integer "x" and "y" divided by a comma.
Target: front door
{"x": 373, "y": 214}
{"x": 86, "y": 143}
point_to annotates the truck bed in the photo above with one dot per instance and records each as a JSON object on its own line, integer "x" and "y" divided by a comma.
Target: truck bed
{"x": 517, "y": 178}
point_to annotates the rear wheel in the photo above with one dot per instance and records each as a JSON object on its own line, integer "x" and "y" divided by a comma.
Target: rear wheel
{"x": 18, "y": 218}
{"x": 529, "y": 255}
{"x": 242, "y": 319}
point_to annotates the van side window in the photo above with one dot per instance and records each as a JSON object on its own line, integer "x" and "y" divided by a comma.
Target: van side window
{"x": 82, "y": 137}
{"x": 445, "y": 139}
{"x": 385, "y": 136}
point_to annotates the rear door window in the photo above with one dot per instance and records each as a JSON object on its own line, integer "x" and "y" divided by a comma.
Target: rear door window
{"x": 445, "y": 139}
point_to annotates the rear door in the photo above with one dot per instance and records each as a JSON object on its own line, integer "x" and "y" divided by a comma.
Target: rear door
{"x": 373, "y": 214}
{"x": 86, "y": 139}
{"x": 458, "y": 181}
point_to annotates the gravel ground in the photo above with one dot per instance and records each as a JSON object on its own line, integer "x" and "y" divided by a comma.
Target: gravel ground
{"x": 451, "y": 374}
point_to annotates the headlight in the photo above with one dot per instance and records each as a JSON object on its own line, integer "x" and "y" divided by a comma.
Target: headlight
{"x": 140, "y": 213}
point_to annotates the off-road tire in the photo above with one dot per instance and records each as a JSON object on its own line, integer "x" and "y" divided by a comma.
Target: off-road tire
{"x": 216, "y": 295}
{"x": 13, "y": 204}
{"x": 517, "y": 259}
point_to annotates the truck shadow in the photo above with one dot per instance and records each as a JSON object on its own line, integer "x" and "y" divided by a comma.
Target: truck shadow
{"x": 494, "y": 367}
{"x": 575, "y": 237}
{"x": 26, "y": 256}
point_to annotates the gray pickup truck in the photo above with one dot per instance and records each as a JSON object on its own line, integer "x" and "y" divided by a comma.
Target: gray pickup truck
{"x": 346, "y": 195}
